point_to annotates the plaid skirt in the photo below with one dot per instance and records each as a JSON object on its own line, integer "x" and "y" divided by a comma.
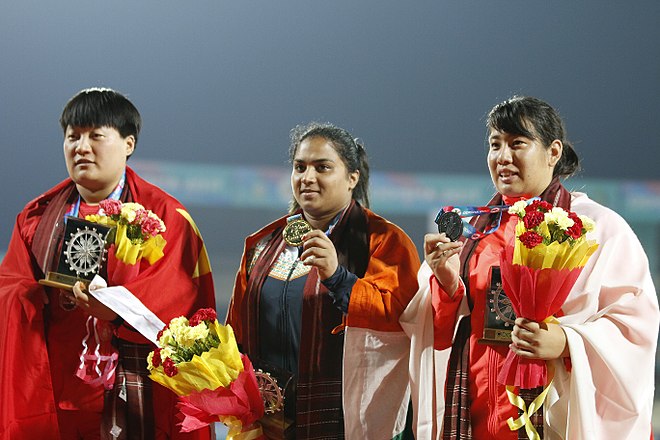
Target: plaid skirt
{"x": 128, "y": 407}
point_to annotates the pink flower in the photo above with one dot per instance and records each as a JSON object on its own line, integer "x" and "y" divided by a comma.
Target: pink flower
{"x": 203, "y": 315}
{"x": 111, "y": 206}
{"x": 530, "y": 239}
{"x": 170, "y": 367}
{"x": 150, "y": 226}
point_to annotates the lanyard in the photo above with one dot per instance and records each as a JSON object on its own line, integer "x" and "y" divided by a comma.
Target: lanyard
{"x": 114, "y": 195}
{"x": 470, "y": 231}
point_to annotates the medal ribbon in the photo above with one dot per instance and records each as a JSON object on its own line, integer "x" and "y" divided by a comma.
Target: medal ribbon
{"x": 470, "y": 231}
{"x": 114, "y": 195}
{"x": 525, "y": 418}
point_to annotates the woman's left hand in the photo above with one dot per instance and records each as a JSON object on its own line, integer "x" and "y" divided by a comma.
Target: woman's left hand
{"x": 318, "y": 251}
{"x": 534, "y": 340}
{"x": 90, "y": 304}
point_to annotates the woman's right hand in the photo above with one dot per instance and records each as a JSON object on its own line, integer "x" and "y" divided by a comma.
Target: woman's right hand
{"x": 441, "y": 254}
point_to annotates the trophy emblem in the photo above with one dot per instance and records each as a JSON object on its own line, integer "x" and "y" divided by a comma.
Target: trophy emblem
{"x": 82, "y": 255}
{"x": 499, "y": 314}
{"x": 276, "y": 385}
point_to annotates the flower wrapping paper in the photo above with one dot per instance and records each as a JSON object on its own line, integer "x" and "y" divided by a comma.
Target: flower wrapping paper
{"x": 535, "y": 294}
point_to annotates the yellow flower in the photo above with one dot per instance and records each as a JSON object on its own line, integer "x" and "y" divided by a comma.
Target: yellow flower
{"x": 216, "y": 367}
{"x": 166, "y": 338}
{"x": 188, "y": 335}
{"x": 178, "y": 325}
{"x": 166, "y": 352}
{"x": 587, "y": 223}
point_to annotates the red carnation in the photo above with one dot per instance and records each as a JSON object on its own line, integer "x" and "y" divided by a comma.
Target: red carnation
{"x": 538, "y": 205}
{"x": 156, "y": 360}
{"x": 170, "y": 367}
{"x": 203, "y": 315}
{"x": 530, "y": 239}
{"x": 160, "y": 333}
{"x": 533, "y": 219}
{"x": 574, "y": 231}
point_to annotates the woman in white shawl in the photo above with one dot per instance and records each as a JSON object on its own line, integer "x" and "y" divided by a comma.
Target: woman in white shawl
{"x": 603, "y": 348}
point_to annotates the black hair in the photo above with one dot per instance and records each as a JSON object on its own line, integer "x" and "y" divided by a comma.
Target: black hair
{"x": 535, "y": 119}
{"x": 101, "y": 107}
{"x": 350, "y": 150}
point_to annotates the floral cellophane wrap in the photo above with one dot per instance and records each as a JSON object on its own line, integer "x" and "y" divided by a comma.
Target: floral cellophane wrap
{"x": 538, "y": 270}
{"x": 137, "y": 236}
{"x": 215, "y": 383}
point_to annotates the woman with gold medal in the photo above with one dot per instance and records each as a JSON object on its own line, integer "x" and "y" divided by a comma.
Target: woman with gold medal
{"x": 319, "y": 293}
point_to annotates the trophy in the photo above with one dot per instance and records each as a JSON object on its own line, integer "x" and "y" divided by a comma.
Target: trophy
{"x": 275, "y": 385}
{"x": 82, "y": 253}
{"x": 499, "y": 313}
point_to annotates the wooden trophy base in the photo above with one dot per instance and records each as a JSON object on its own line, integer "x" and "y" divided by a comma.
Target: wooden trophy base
{"x": 59, "y": 281}
{"x": 496, "y": 336}
{"x": 277, "y": 427}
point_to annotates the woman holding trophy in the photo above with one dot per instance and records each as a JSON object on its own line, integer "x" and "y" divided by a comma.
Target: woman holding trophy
{"x": 596, "y": 351}
{"x": 71, "y": 367}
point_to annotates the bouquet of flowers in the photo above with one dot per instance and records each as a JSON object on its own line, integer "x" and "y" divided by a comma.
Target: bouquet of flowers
{"x": 199, "y": 360}
{"x": 137, "y": 235}
{"x": 538, "y": 272}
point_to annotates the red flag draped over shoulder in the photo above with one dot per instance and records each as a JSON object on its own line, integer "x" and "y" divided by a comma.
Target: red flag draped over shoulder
{"x": 177, "y": 284}
{"x": 181, "y": 282}
{"x": 27, "y": 407}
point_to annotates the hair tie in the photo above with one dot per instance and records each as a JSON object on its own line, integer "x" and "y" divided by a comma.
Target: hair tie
{"x": 358, "y": 144}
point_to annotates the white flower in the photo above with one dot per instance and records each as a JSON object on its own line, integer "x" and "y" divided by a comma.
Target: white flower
{"x": 587, "y": 223}
{"x": 518, "y": 208}
{"x": 559, "y": 217}
{"x": 128, "y": 211}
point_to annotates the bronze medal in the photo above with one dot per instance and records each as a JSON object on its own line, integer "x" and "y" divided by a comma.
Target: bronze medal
{"x": 294, "y": 230}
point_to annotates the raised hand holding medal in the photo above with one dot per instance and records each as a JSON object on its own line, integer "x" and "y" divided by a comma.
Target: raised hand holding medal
{"x": 317, "y": 248}
{"x": 295, "y": 230}
{"x": 451, "y": 224}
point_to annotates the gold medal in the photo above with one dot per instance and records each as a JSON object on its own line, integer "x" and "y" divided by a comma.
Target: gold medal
{"x": 294, "y": 230}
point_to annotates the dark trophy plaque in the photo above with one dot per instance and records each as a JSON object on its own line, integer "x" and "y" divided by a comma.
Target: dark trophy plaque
{"x": 499, "y": 313}
{"x": 82, "y": 254}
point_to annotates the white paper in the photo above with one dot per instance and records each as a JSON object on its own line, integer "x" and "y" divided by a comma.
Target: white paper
{"x": 126, "y": 305}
